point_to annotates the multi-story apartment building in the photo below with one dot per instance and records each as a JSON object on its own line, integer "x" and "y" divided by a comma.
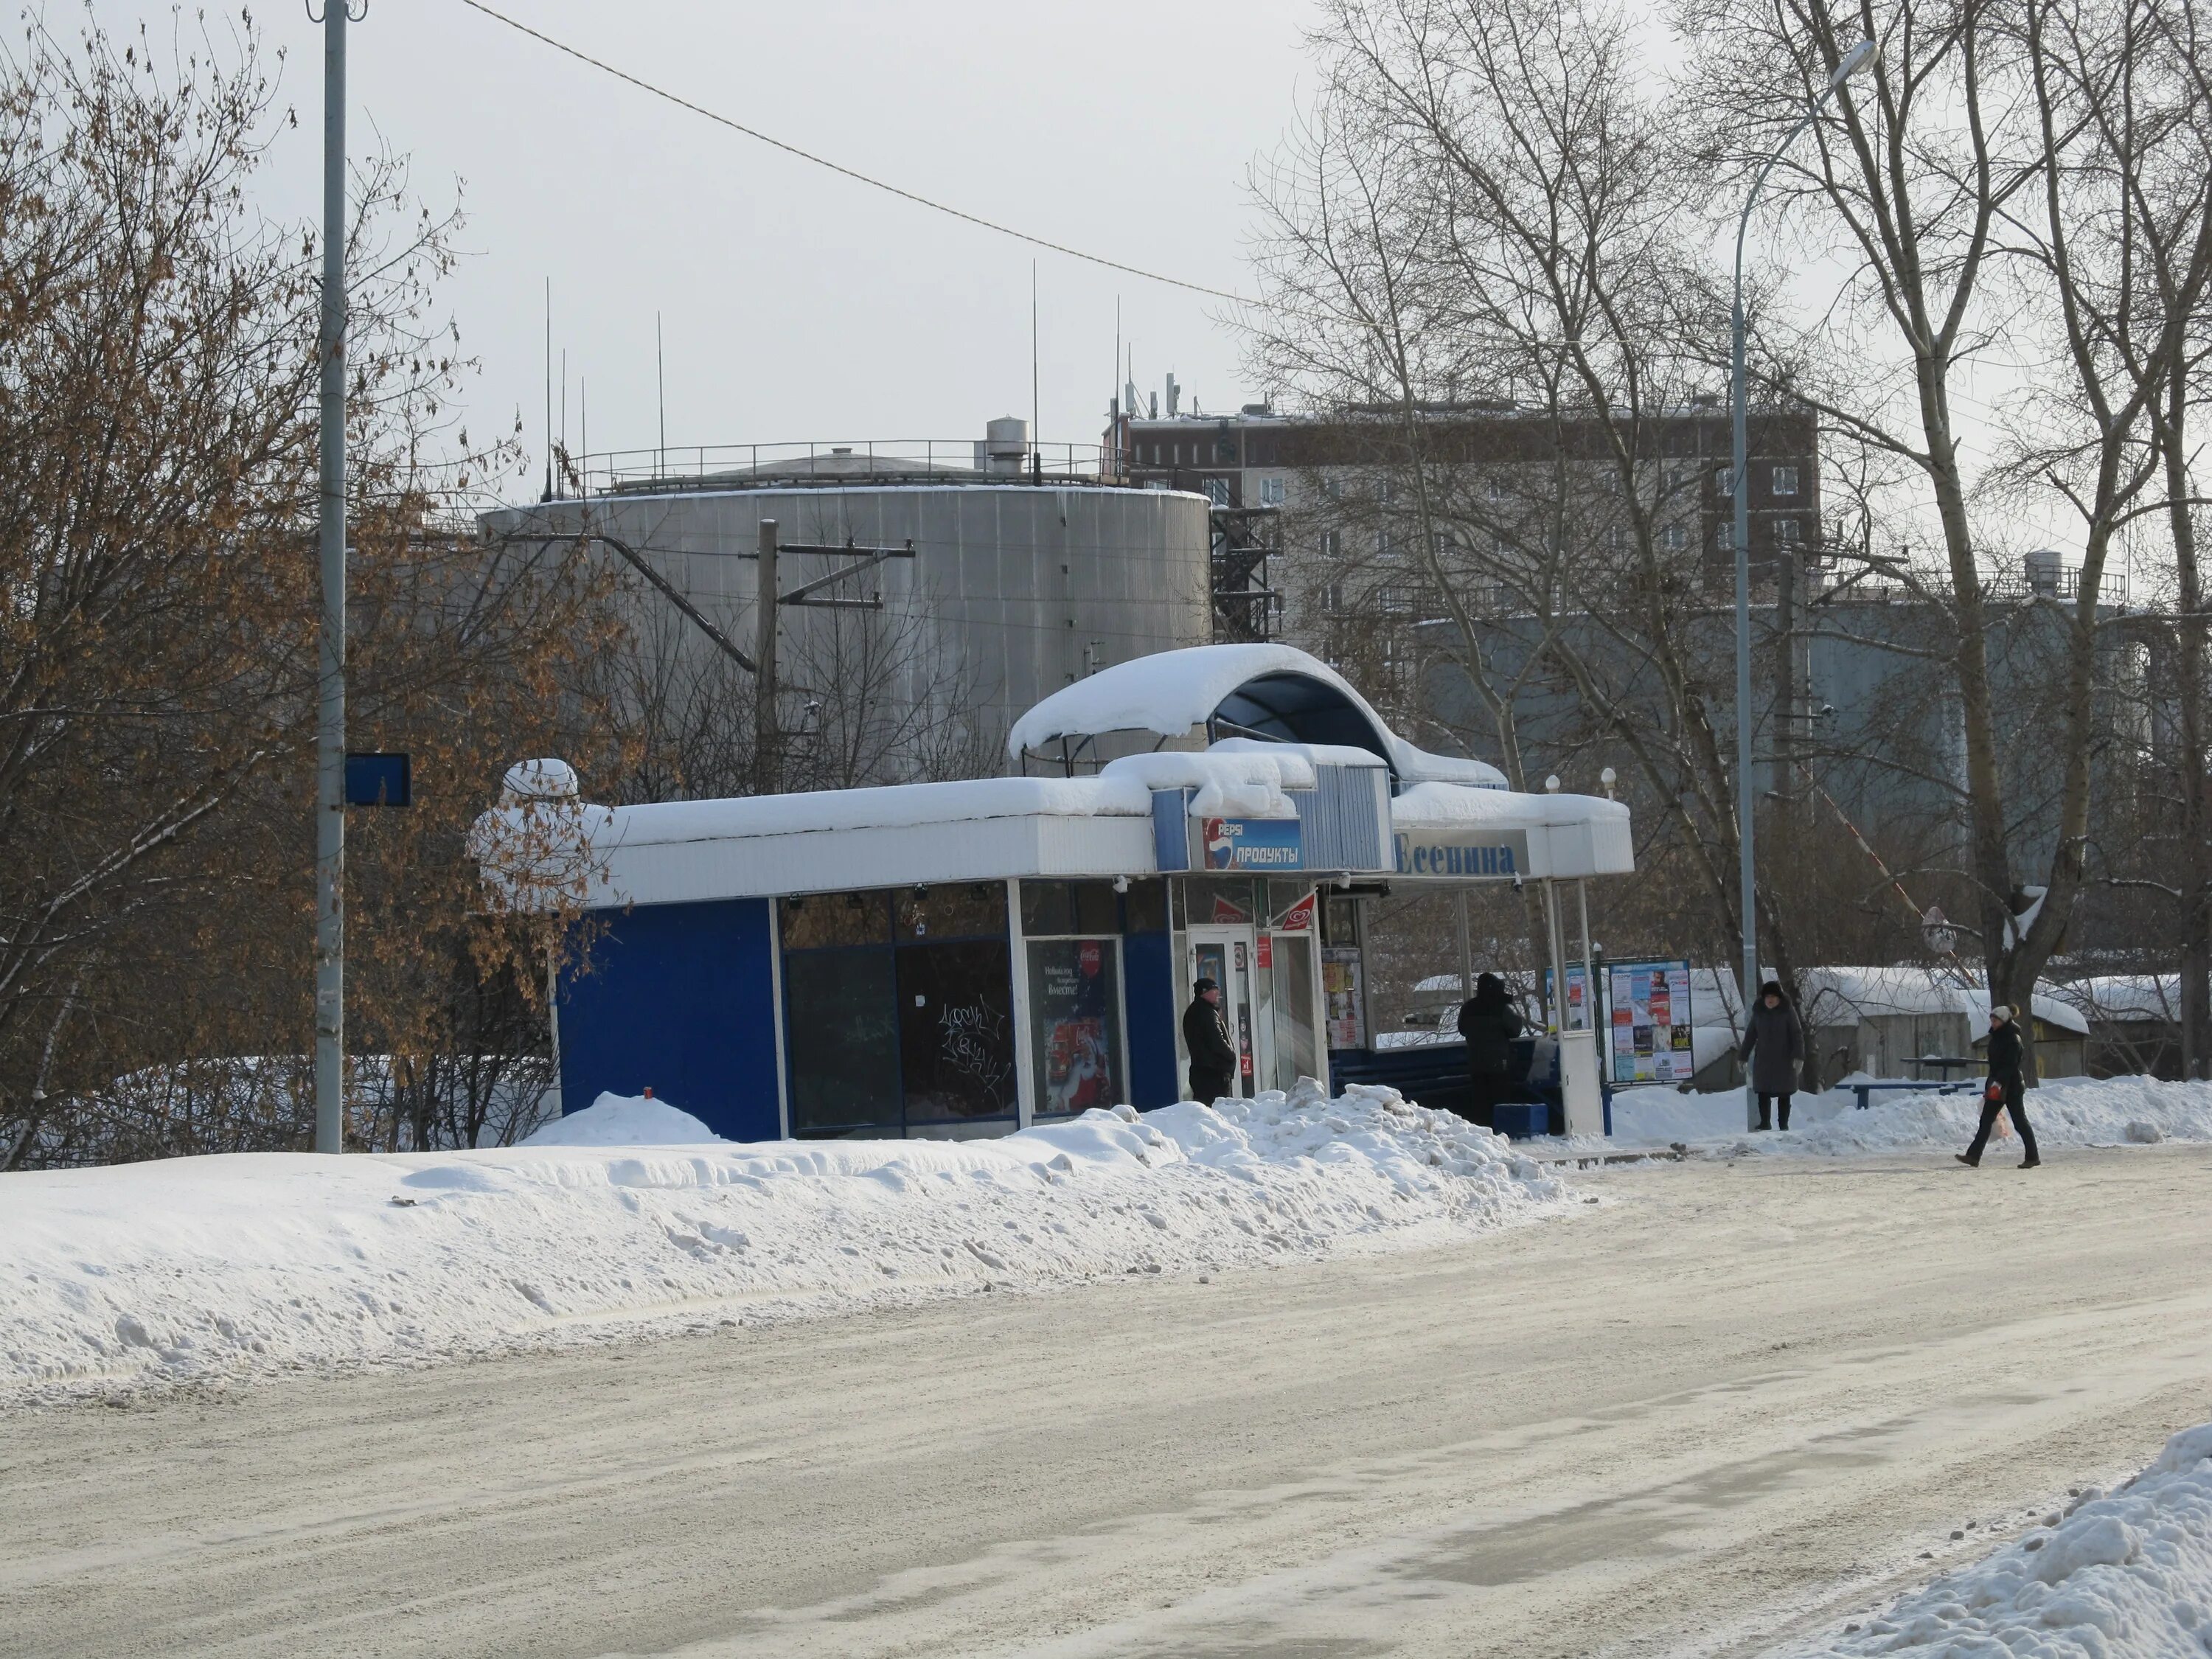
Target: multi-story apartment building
{"x": 1324, "y": 509}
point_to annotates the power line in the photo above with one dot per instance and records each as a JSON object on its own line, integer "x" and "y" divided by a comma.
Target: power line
{"x": 860, "y": 178}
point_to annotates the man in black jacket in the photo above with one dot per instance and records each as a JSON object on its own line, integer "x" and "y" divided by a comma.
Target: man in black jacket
{"x": 2003, "y": 1091}
{"x": 1206, "y": 1035}
{"x": 1489, "y": 1022}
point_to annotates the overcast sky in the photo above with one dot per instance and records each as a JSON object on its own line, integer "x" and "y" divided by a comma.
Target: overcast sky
{"x": 798, "y": 305}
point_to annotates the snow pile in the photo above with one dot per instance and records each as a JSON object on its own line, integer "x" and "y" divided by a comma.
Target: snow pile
{"x": 626, "y": 1121}
{"x": 2066, "y": 1112}
{"x": 1657, "y": 1115}
{"x": 2123, "y": 1577}
{"x": 209, "y": 1267}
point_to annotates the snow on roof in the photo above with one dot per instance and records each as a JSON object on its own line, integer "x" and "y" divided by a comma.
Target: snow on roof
{"x": 892, "y": 806}
{"x": 1171, "y": 692}
{"x": 1168, "y": 692}
{"x": 1245, "y": 782}
{"x": 673, "y": 852}
{"x": 2124, "y": 996}
{"x": 1839, "y": 996}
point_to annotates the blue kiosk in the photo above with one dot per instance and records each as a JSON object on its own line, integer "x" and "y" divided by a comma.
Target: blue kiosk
{"x": 967, "y": 957}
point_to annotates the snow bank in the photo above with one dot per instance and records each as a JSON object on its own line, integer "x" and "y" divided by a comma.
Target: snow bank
{"x": 212, "y": 1267}
{"x": 626, "y": 1121}
{"x": 2066, "y": 1112}
{"x": 2123, "y": 1577}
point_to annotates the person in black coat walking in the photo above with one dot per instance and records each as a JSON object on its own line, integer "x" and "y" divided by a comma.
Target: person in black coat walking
{"x": 2003, "y": 1092}
{"x": 1205, "y": 1037}
{"x": 1489, "y": 1022}
{"x": 1774, "y": 1044}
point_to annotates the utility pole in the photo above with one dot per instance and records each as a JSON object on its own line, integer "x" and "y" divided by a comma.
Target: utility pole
{"x": 329, "y": 730}
{"x": 767, "y": 738}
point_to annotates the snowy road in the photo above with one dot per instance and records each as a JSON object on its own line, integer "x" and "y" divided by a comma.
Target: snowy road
{"x": 1729, "y": 1406}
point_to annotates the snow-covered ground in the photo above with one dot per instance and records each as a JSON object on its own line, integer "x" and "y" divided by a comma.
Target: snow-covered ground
{"x": 632, "y": 1216}
{"x": 2064, "y": 1112}
{"x": 2126, "y": 1575}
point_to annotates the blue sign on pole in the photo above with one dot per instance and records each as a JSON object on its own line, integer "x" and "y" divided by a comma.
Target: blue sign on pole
{"x": 379, "y": 780}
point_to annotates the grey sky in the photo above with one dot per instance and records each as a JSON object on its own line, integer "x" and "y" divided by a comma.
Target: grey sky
{"x": 798, "y": 305}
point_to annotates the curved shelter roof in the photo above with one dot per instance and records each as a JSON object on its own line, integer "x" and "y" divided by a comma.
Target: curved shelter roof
{"x": 1273, "y": 692}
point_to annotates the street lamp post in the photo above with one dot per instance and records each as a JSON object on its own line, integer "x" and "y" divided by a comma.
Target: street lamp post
{"x": 1851, "y": 62}
{"x": 330, "y": 726}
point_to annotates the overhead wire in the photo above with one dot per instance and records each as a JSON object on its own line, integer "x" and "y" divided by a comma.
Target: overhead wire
{"x": 857, "y": 176}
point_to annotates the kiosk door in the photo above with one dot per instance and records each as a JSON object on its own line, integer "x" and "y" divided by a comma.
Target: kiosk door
{"x": 1228, "y": 956}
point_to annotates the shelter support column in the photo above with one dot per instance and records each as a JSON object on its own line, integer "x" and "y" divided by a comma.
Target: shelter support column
{"x": 1584, "y": 1105}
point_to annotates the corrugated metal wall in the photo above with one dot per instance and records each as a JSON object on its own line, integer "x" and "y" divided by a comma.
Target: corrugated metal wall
{"x": 1345, "y": 819}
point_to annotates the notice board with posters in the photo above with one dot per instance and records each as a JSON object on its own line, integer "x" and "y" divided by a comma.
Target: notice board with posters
{"x": 1650, "y": 1039}
{"x": 1345, "y": 995}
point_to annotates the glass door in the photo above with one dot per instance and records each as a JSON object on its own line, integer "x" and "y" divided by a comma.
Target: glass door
{"x": 1228, "y": 956}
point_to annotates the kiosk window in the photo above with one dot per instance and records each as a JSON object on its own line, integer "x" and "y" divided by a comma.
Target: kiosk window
{"x": 955, "y": 1030}
{"x": 842, "y": 1034}
{"x": 1145, "y": 908}
{"x": 822, "y": 919}
{"x": 962, "y": 909}
{"x": 1075, "y": 1005}
{"x": 1070, "y": 907}
{"x": 1208, "y": 900}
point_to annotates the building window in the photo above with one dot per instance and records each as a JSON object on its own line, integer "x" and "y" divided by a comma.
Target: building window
{"x": 1217, "y": 491}
{"x": 1786, "y": 481}
{"x": 1332, "y": 488}
{"x": 1159, "y": 484}
{"x": 1332, "y": 597}
{"x": 1786, "y": 531}
{"x": 1271, "y": 492}
{"x": 1721, "y": 486}
{"x": 1332, "y": 544}
{"x": 1382, "y": 490}
{"x": 1673, "y": 537}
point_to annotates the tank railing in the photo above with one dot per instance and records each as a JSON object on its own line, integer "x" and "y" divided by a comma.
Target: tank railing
{"x": 952, "y": 460}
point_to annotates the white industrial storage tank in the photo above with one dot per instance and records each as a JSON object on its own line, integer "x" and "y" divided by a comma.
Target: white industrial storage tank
{"x": 1027, "y": 572}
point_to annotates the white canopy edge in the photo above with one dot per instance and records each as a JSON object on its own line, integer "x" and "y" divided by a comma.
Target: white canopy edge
{"x": 1568, "y": 836}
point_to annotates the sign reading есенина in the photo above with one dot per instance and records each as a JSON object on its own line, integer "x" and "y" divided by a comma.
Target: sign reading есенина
{"x": 1250, "y": 844}
{"x": 1469, "y": 854}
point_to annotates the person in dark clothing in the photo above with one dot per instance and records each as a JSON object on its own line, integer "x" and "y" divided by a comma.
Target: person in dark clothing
{"x": 1489, "y": 1022}
{"x": 1774, "y": 1044}
{"x": 2003, "y": 1091}
{"x": 1206, "y": 1035}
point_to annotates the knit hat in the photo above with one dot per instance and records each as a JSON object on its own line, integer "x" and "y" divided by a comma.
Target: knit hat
{"x": 2001, "y": 1013}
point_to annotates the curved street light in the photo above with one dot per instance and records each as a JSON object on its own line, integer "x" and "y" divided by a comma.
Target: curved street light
{"x": 1846, "y": 66}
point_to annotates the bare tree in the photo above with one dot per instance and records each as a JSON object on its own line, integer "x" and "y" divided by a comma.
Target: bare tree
{"x": 157, "y": 421}
{"x": 1486, "y": 197}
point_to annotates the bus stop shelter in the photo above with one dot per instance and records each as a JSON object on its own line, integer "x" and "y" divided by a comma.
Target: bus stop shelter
{"x": 967, "y": 957}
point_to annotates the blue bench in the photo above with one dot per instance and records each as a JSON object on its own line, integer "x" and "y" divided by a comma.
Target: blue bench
{"x": 1863, "y": 1090}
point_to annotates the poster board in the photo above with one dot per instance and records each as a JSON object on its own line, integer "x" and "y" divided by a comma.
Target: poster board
{"x": 1342, "y": 991}
{"x": 1649, "y": 1040}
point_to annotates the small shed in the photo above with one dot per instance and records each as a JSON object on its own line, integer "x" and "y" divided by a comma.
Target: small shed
{"x": 1919, "y": 1023}
{"x": 2134, "y": 1023}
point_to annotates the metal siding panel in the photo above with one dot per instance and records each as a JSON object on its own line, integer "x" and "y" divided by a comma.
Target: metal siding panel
{"x": 680, "y": 998}
{"x": 1170, "y": 833}
{"x": 1148, "y": 993}
{"x": 1343, "y": 817}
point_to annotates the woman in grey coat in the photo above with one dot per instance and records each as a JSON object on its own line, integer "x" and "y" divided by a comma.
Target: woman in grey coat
{"x": 1774, "y": 1044}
